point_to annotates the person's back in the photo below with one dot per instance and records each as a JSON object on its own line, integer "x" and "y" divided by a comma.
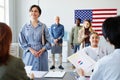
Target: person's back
{"x": 13, "y": 70}
{"x": 108, "y": 67}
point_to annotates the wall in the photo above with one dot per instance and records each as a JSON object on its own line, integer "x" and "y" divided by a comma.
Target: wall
{"x": 64, "y": 8}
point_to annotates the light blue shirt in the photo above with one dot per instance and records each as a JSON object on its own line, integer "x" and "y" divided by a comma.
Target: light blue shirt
{"x": 107, "y": 68}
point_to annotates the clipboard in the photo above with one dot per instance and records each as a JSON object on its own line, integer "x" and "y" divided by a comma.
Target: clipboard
{"x": 82, "y": 60}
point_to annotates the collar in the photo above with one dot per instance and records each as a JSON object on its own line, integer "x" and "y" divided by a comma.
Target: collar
{"x": 39, "y": 23}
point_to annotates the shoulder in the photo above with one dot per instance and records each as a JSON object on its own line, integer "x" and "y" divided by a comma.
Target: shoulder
{"x": 87, "y": 49}
{"x": 42, "y": 24}
{"x": 25, "y": 25}
{"x": 111, "y": 58}
{"x": 104, "y": 61}
{"x": 61, "y": 25}
{"x": 81, "y": 30}
{"x": 15, "y": 60}
{"x": 14, "y": 63}
{"x": 52, "y": 25}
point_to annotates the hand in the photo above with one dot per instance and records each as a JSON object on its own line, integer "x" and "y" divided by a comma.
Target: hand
{"x": 56, "y": 41}
{"x": 34, "y": 52}
{"x": 40, "y": 52}
{"x": 80, "y": 71}
{"x": 85, "y": 36}
{"x": 31, "y": 76}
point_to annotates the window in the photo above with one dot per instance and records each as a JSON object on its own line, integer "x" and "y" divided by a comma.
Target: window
{"x": 2, "y": 10}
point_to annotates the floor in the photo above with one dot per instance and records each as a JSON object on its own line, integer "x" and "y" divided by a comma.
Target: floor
{"x": 67, "y": 66}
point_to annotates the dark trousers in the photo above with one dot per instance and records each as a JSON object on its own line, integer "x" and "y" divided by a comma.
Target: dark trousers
{"x": 76, "y": 48}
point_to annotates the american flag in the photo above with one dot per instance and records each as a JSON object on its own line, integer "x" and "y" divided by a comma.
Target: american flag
{"x": 97, "y": 16}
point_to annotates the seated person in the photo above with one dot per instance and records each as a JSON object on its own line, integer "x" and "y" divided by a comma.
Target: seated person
{"x": 107, "y": 68}
{"x": 11, "y": 68}
{"x": 94, "y": 50}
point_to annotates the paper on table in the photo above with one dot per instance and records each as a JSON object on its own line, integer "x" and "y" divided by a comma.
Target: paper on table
{"x": 58, "y": 74}
{"x": 39, "y": 74}
{"x": 82, "y": 60}
{"x": 28, "y": 69}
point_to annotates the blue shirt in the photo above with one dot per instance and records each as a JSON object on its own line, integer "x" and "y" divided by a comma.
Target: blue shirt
{"x": 57, "y": 32}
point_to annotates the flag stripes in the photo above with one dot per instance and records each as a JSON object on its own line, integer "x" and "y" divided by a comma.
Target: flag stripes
{"x": 97, "y": 16}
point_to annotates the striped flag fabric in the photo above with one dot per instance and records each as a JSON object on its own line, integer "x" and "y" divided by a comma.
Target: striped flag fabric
{"x": 97, "y": 16}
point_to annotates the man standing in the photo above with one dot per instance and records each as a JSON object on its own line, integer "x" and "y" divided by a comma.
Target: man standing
{"x": 57, "y": 33}
{"x": 74, "y": 36}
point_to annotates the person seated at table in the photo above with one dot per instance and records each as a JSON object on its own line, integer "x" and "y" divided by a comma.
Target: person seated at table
{"x": 107, "y": 67}
{"x": 94, "y": 50}
{"x": 11, "y": 68}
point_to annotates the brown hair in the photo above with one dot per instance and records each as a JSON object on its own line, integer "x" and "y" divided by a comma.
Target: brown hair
{"x": 88, "y": 20}
{"x": 5, "y": 41}
{"x": 94, "y": 33}
{"x": 38, "y": 7}
{"x": 90, "y": 27}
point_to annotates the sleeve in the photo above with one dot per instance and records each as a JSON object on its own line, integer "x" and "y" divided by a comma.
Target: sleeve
{"x": 22, "y": 40}
{"x": 109, "y": 50}
{"x": 97, "y": 73}
{"x": 21, "y": 70}
{"x": 47, "y": 45}
{"x": 72, "y": 36}
{"x": 103, "y": 51}
{"x": 62, "y": 34}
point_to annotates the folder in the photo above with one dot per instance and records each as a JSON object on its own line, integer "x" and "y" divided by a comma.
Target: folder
{"x": 55, "y": 74}
{"x": 82, "y": 60}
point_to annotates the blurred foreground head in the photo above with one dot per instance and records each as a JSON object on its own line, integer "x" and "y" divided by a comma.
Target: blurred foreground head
{"x": 111, "y": 30}
{"x": 5, "y": 41}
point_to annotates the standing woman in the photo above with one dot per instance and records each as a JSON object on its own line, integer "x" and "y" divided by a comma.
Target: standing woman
{"x": 84, "y": 34}
{"x": 30, "y": 40}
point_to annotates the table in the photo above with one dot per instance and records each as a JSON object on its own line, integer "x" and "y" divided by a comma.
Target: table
{"x": 67, "y": 76}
